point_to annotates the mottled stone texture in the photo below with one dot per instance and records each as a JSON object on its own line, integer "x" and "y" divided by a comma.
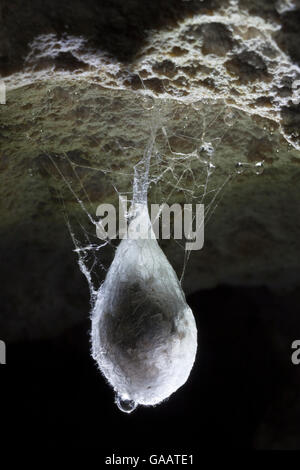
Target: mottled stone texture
{"x": 244, "y": 52}
{"x": 85, "y": 82}
{"x": 217, "y": 73}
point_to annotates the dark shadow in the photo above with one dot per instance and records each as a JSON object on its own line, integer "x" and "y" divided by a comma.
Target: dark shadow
{"x": 116, "y": 26}
{"x": 55, "y": 397}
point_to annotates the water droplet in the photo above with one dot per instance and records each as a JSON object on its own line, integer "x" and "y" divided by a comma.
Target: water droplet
{"x": 125, "y": 404}
{"x": 230, "y": 117}
{"x": 210, "y": 168}
{"x": 185, "y": 122}
{"x": 259, "y": 168}
{"x": 148, "y": 102}
{"x": 206, "y": 149}
{"x": 239, "y": 168}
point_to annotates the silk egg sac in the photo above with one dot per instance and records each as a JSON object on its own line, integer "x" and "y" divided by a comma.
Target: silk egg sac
{"x": 144, "y": 336}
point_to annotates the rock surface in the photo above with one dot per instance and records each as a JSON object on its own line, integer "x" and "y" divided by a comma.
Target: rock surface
{"x": 86, "y": 81}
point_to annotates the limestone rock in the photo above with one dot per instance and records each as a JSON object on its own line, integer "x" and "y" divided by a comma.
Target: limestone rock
{"x": 84, "y": 82}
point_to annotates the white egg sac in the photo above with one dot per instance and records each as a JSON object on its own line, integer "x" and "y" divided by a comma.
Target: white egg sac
{"x": 144, "y": 336}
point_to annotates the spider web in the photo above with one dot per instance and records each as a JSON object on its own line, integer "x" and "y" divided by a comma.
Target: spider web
{"x": 177, "y": 152}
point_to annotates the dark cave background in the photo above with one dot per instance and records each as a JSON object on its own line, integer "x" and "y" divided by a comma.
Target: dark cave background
{"x": 243, "y": 392}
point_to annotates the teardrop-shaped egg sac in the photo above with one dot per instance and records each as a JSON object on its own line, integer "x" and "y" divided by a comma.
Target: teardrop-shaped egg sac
{"x": 144, "y": 336}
